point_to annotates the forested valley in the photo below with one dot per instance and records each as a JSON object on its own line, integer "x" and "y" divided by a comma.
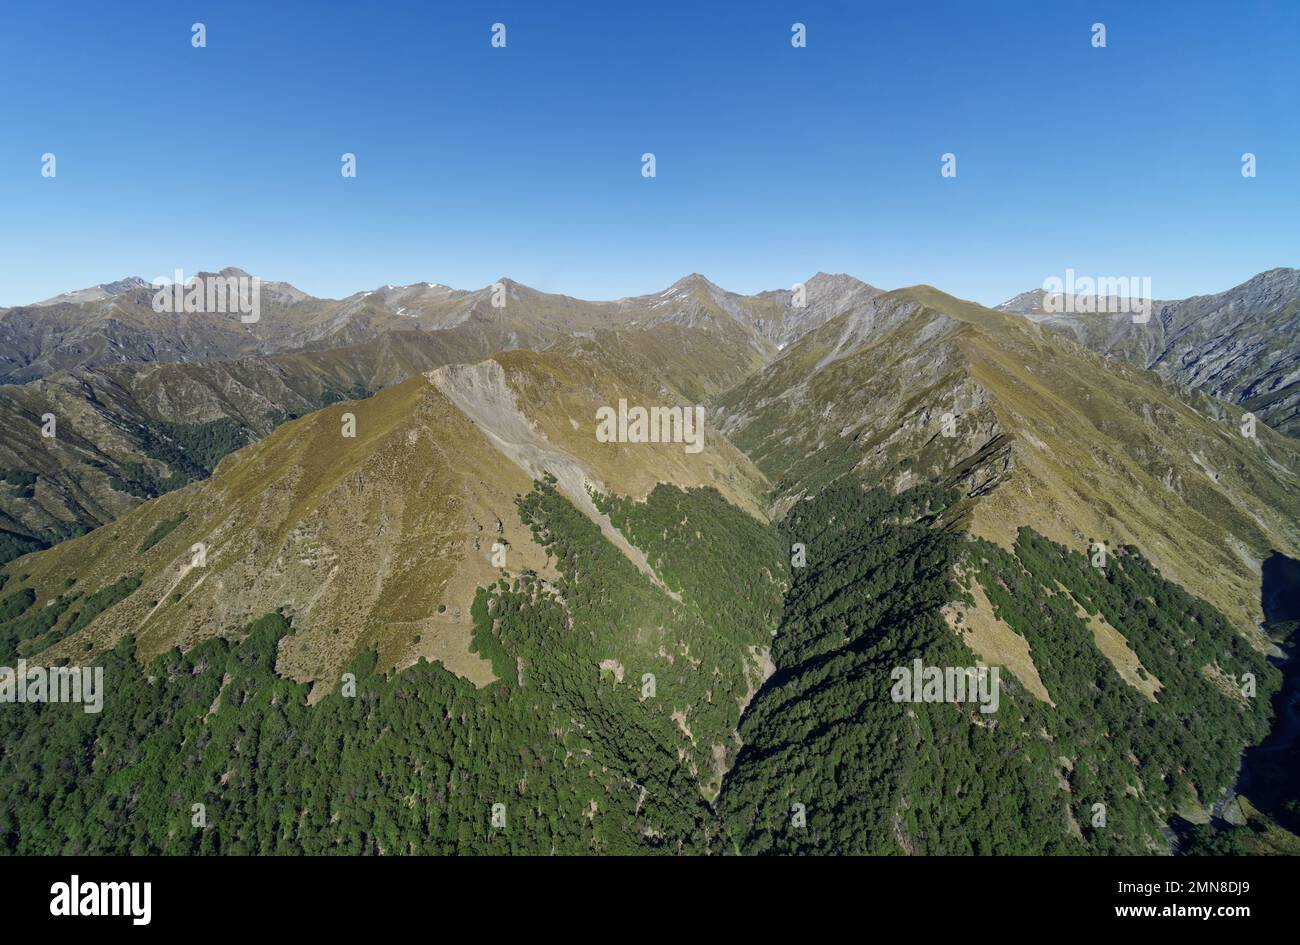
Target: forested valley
{"x": 625, "y": 719}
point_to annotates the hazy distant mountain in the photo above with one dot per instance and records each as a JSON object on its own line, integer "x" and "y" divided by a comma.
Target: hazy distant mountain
{"x": 1239, "y": 345}
{"x": 105, "y": 290}
{"x": 117, "y": 323}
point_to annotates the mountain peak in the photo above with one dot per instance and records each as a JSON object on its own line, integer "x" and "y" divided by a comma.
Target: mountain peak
{"x": 833, "y": 279}
{"x": 515, "y": 287}
{"x": 1280, "y": 279}
{"x": 1025, "y": 303}
{"x": 97, "y": 293}
{"x": 691, "y": 281}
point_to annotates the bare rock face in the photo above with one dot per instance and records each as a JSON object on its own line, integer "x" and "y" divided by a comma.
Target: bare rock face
{"x": 1239, "y": 345}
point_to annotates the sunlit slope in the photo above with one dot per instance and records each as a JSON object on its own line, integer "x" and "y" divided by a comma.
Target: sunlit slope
{"x": 130, "y": 432}
{"x": 1238, "y": 345}
{"x": 373, "y": 540}
{"x": 560, "y": 395}
{"x": 1042, "y": 432}
{"x": 378, "y": 539}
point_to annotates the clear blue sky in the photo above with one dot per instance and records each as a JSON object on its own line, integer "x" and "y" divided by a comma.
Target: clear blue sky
{"x": 772, "y": 162}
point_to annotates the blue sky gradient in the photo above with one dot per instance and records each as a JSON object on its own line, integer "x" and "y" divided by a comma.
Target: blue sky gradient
{"x": 773, "y": 162}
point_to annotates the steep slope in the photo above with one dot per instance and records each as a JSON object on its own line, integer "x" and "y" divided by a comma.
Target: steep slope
{"x": 702, "y": 340}
{"x": 606, "y": 730}
{"x": 97, "y": 293}
{"x": 377, "y": 540}
{"x": 125, "y": 433}
{"x": 99, "y": 327}
{"x": 837, "y": 758}
{"x": 825, "y": 296}
{"x": 559, "y": 396}
{"x": 1239, "y": 345}
{"x": 1040, "y": 432}
{"x": 612, "y": 722}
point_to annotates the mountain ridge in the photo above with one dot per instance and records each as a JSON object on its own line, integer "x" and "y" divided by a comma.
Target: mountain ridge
{"x": 1232, "y": 344}
{"x": 1089, "y": 446}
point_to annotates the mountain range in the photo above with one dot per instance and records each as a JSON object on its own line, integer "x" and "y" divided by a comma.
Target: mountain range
{"x": 407, "y": 485}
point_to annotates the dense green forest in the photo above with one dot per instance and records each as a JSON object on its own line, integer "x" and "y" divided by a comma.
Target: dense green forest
{"x": 1188, "y": 742}
{"x": 873, "y": 775}
{"x": 190, "y": 451}
{"x": 580, "y": 760}
{"x": 625, "y": 719}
